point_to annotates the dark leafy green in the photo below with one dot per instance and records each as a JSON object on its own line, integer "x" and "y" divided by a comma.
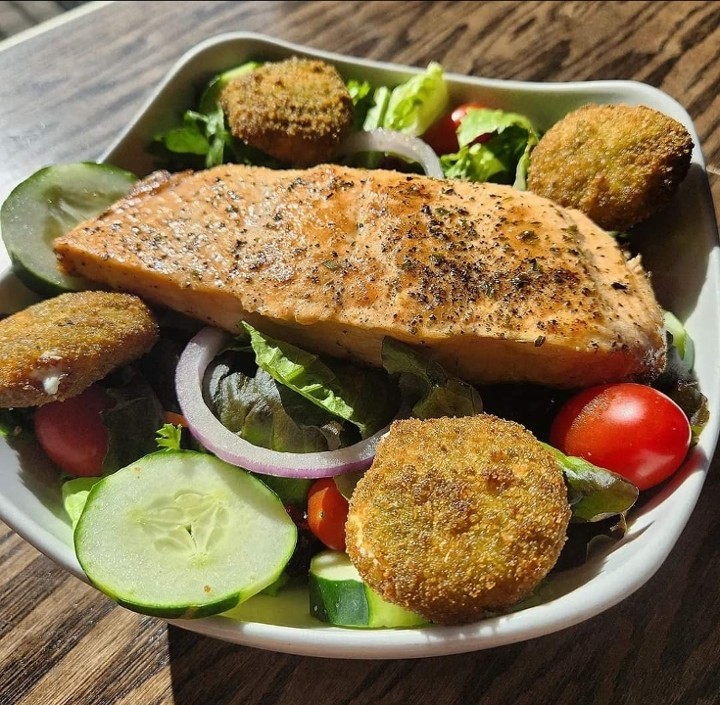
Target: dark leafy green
{"x": 339, "y": 388}
{"x": 427, "y": 390}
{"x": 16, "y": 422}
{"x": 361, "y": 93}
{"x": 263, "y": 412}
{"x": 202, "y": 134}
{"x": 583, "y": 538}
{"x": 594, "y": 493}
{"x": 132, "y": 421}
{"x": 680, "y": 383}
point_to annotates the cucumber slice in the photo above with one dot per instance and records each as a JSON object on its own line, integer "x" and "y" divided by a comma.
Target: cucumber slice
{"x": 182, "y": 534}
{"x": 339, "y": 596}
{"x": 48, "y": 204}
{"x": 211, "y": 95}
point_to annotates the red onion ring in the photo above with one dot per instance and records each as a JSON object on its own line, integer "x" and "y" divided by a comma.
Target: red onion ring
{"x": 397, "y": 143}
{"x": 205, "y": 426}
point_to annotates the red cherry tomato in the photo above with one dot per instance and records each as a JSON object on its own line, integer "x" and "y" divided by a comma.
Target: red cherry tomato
{"x": 72, "y": 432}
{"x": 442, "y": 134}
{"x": 327, "y": 513}
{"x": 633, "y": 430}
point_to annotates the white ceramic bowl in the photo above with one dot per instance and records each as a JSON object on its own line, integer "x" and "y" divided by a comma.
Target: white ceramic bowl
{"x": 684, "y": 262}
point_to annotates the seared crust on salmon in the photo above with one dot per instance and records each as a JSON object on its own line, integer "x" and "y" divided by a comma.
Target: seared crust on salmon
{"x": 497, "y": 284}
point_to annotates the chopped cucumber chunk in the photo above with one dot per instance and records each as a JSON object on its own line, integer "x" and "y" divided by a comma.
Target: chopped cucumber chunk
{"x": 339, "y": 596}
{"x": 49, "y": 204}
{"x": 182, "y": 534}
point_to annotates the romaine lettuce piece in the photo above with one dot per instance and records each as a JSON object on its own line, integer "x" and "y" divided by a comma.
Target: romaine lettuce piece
{"x": 375, "y": 116}
{"x": 415, "y": 105}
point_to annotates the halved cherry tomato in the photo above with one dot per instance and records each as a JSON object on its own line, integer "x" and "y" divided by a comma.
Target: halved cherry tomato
{"x": 72, "y": 432}
{"x": 442, "y": 134}
{"x": 327, "y": 513}
{"x": 633, "y": 430}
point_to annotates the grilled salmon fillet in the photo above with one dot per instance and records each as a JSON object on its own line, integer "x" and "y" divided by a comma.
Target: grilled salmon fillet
{"x": 498, "y": 285}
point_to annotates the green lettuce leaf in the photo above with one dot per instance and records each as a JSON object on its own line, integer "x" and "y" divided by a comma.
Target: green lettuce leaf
{"x": 594, "y": 493}
{"x": 339, "y": 388}
{"x": 74, "y": 496}
{"x": 502, "y": 155}
{"x": 188, "y": 139}
{"x": 201, "y": 134}
{"x": 263, "y": 412}
{"x": 361, "y": 93}
{"x": 427, "y": 390}
{"x": 375, "y": 115}
{"x": 415, "y": 105}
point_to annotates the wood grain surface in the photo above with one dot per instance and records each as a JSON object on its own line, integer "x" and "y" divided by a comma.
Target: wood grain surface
{"x": 21, "y": 15}
{"x": 65, "y": 93}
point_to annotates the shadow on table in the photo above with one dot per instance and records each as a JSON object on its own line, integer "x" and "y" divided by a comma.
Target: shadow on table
{"x": 204, "y": 670}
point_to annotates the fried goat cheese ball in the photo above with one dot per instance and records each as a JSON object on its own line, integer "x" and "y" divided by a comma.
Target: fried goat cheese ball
{"x": 457, "y": 517}
{"x": 297, "y": 110}
{"x": 55, "y": 349}
{"x": 618, "y": 164}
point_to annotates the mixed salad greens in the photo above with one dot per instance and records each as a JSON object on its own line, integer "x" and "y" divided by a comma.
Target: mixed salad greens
{"x": 493, "y": 145}
{"x": 282, "y": 398}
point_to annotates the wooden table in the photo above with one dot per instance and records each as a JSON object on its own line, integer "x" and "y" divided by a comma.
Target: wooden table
{"x": 66, "y": 92}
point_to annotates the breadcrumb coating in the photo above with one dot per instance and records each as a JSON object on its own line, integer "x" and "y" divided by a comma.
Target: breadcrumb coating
{"x": 55, "y": 349}
{"x": 458, "y": 516}
{"x": 618, "y": 164}
{"x": 295, "y": 110}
